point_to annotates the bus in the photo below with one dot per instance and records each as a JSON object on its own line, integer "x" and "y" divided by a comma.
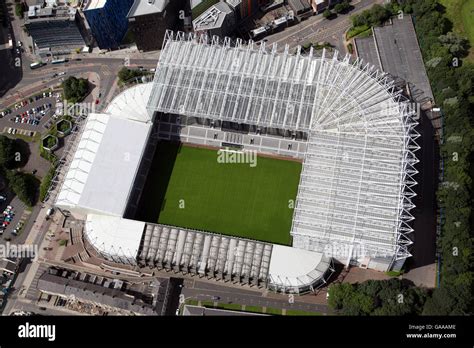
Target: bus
{"x": 59, "y": 61}
{"x": 36, "y": 65}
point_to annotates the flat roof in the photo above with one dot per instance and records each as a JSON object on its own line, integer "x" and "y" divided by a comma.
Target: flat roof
{"x": 367, "y": 51}
{"x": 145, "y": 7}
{"x": 400, "y": 56}
{"x": 213, "y": 17}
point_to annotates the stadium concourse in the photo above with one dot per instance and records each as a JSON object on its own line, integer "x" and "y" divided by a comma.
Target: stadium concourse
{"x": 348, "y": 123}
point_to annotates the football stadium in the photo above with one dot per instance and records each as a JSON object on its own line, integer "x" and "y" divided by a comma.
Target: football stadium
{"x": 244, "y": 164}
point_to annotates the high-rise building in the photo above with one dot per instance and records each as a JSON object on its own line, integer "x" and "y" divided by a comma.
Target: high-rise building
{"x": 108, "y": 21}
{"x": 149, "y": 20}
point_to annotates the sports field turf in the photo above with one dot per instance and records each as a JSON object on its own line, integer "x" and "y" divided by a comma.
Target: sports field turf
{"x": 232, "y": 199}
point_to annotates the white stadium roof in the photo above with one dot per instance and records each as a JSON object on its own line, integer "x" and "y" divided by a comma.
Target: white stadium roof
{"x": 103, "y": 169}
{"x": 114, "y": 236}
{"x": 108, "y": 154}
{"x": 131, "y": 103}
{"x": 294, "y": 268}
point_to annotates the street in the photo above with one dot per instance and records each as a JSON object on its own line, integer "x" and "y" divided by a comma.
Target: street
{"x": 203, "y": 291}
{"x": 317, "y": 29}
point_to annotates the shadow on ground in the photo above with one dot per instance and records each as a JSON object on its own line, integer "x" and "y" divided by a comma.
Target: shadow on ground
{"x": 424, "y": 236}
{"x": 11, "y": 74}
{"x": 152, "y": 199}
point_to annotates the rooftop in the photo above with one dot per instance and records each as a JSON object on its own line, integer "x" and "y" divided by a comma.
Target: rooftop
{"x": 114, "y": 235}
{"x": 213, "y": 17}
{"x": 7, "y": 265}
{"x": 36, "y": 13}
{"x": 103, "y": 169}
{"x": 94, "y": 4}
{"x": 88, "y": 292}
{"x": 145, "y": 7}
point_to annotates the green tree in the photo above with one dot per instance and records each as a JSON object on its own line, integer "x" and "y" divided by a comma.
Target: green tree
{"x": 376, "y": 15}
{"x": 342, "y": 7}
{"x": 377, "y": 297}
{"x": 24, "y": 185}
{"x": 19, "y": 9}
{"x": 337, "y": 293}
{"x": 327, "y": 13}
{"x": 75, "y": 90}
{"x": 7, "y": 152}
{"x": 449, "y": 300}
{"x": 457, "y": 46}
{"x": 126, "y": 74}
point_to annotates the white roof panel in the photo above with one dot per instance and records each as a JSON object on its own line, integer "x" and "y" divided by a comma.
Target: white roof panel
{"x": 131, "y": 103}
{"x": 292, "y": 267}
{"x": 114, "y": 235}
{"x": 103, "y": 170}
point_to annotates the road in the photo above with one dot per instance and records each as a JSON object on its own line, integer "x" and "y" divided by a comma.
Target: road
{"x": 205, "y": 291}
{"x": 22, "y": 305}
{"x": 317, "y": 29}
{"x": 37, "y": 227}
{"x": 42, "y": 78}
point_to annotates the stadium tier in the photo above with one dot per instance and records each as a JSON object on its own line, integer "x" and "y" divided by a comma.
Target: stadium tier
{"x": 346, "y": 121}
{"x": 355, "y": 191}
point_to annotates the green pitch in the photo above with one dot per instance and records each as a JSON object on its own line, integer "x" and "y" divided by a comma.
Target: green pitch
{"x": 187, "y": 187}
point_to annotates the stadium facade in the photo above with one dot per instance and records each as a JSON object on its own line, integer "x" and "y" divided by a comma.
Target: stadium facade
{"x": 346, "y": 121}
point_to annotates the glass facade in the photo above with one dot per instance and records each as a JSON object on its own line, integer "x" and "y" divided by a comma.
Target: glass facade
{"x": 109, "y": 23}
